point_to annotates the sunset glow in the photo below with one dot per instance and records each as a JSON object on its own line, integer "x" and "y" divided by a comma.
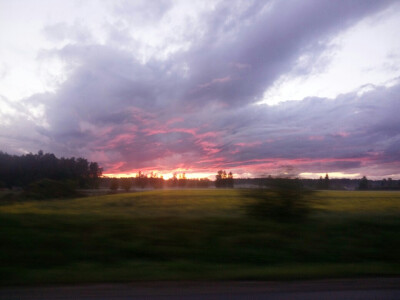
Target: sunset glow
{"x": 165, "y": 175}
{"x": 332, "y": 175}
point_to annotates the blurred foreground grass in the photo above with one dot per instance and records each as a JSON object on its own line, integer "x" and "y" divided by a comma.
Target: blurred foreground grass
{"x": 196, "y": 234}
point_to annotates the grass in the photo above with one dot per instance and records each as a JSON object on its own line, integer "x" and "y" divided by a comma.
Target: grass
{"x": 195, "y": 234}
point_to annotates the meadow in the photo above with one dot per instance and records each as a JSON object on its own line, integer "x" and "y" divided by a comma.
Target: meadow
{"x": 196, "y": 235}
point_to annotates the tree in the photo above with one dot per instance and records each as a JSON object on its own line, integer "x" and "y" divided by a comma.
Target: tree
{"x": 94, "y": 174}
{"x": 222, "y": 179}
{"x": 26, "y": 169}
{"x": 323, "y": 183}
{"x": 126, "y": 184}
{"x": 174, "y": 180}
{"x": 218, "y": 179}
{"x": 82, "y": 168}
{"x": 390, "y": 183}
{"x": 320, "y": 184}
{"x": 182, "y": 181}
{"x": 363, "y": 185}
{"x": 326, "y": 182}
{"x": 141, "y": 180}
{"x": 230, "y": 180}
{"x": 114, "y": 184}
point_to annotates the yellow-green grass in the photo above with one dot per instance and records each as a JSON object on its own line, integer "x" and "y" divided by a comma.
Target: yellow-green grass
{"x": 359, "y": 201}
{"x": 200, "y": 203}
{"x": 160, "y": 203}
{"x": 196, "y": 234}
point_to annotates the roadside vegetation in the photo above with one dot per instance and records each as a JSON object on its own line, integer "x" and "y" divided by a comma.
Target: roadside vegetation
{"x": 196, "y": 234}
{"x": 286, "y": 201}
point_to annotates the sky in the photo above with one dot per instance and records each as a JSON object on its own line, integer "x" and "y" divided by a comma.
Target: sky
{"x": 299, "y": 88}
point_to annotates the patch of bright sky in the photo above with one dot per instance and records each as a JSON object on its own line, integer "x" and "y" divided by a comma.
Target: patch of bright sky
{"x": 366, "y": 54}
{"x": 160, "y": 37}
{"x": 25, "y": 69}
{"x": 340, "y": 175}
{"x": 165, "y": 175}
{"x": 331, "y": 175}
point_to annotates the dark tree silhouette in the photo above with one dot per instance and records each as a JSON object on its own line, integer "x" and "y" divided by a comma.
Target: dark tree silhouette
{"x": 126, "y": 184}
{"x": 363, "y": 183}
{"x": 114, "y": 184}
{"x": 174, "y": 180}
{"x": 182, "y": 180}
{"x": 323, "y": 183}
{"x": 25, "y": 169}
{"x": 223, "y": 180}
{"x": 94, "y": 174}
{"x": 326, "y": 182}
{"x": 141, "y": 180}
{"x": 229, "y": 180}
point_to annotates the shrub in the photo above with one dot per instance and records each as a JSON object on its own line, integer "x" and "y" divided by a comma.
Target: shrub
{"x": 286, "y": 200}
{"x": 114, "y": 185}
{"x": 48, "y": 188}
{"x": 126, "y": 184}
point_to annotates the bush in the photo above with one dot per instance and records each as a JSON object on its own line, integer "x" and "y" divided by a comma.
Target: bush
{"x": 286, "y": 200}
{"x": 114, "y": 185}
{"x": 126, "y": 184}
{"x": 48, "y": 188}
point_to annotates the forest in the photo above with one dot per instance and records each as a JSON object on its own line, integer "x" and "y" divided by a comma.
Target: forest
{"x": 21, "y": 171}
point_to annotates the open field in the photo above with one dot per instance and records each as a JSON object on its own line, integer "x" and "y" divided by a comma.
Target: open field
{"x": 196, "y": 234}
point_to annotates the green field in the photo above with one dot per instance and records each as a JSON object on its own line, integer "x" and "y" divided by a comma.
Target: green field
{"x": 195, "y": 234}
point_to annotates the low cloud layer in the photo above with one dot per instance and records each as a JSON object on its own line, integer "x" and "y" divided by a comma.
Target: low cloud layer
{"x": 194, "y": 107}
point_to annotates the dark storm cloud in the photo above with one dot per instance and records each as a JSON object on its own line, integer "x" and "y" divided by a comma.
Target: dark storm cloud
{"x": 196, "y": 109}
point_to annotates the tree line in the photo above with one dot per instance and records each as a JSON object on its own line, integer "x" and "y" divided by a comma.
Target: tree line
{"x": 21, "y": 171}
{"x": 326, "y": 183}
{"x": 151, "y": 180}
{"x": 222, "y": 180}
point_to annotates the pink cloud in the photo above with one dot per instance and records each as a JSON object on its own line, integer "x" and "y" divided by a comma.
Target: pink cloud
{"x": 316, "y": 138}
{"x": 174, "y": 120}
{"x": 150, "y": 131}
{"x": 209, "y": 147}
{"x": 252, "y": 144}
{"x": 341, "y": 134}
{"x": 215, "y": 81}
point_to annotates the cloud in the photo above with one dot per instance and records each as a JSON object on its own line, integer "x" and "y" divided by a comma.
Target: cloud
{"x": 142, "y": 11}
{"x": 270, "y": 41}
{"x": 61, "y": 31}
{"x": 195, "y": 108}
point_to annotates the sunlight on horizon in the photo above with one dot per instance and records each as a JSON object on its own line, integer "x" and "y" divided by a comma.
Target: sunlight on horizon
{"x": 165, "y": 175}
{"x": 332, "y": 175}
